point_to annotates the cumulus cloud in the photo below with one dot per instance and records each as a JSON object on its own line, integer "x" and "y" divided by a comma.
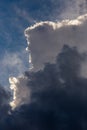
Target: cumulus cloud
{"x": 21, "y": 93}
{"x": 53, "y": 95}
{"x": 58, "y": 98}
{"x": 45, "y": 39}
{"x": 45, "y": 42}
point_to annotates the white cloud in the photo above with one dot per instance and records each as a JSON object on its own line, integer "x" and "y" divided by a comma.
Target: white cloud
{"x": 46, "y": 39}
{"x": 21, "y": 92}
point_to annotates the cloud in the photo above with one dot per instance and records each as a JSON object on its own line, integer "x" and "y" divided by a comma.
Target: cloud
{"x": 11, "y": 60}
{"x": 53, "y": 95}
{"x": 50, "y": 9}
{"x": 53, "y": 104}
{"x": 5, "y": 97}
{"x": 73, "y": 9}
{"x": 21, "y": 93}
{"x": 46, "y": 39}
{"x": 12, "y": 64}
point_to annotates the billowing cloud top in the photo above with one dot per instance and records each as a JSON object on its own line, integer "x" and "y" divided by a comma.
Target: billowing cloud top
{"x": 45, "y": 39}
{"x": 45, "y": 42}
{"x": 55, "y": 97}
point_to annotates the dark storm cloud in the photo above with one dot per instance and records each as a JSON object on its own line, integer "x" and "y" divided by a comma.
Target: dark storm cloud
{"x": 54, "y": 98}
{"x": 58, "y": 97}
{"x": 5, "y": 97}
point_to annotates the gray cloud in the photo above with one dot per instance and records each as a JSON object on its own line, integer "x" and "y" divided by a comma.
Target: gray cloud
{"x": 45, "y": 42}
{"x": 4, "y": 96}
{"x": 58, "y": 97}
{"x": 55, "y": 96}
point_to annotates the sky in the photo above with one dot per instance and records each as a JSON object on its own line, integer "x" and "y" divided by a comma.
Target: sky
{"x": 16, "y": 16}
{"x": 53, "y": 94}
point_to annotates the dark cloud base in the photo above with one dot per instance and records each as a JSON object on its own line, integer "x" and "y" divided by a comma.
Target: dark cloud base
{"x": 58, "y": 97}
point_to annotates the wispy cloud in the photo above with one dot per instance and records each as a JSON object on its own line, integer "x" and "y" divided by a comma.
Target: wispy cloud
{"x": 12, "y": 64}
{"x": 73, "y": 9}
{"x": 24, "y": 15}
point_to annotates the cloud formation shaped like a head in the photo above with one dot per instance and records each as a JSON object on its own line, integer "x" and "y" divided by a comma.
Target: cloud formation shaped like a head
{"x": 45, "y": 39}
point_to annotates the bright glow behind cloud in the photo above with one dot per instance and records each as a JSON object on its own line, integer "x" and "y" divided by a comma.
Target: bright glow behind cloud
{"x": 13, "y": 81}
{"x": 21, "y": 93}
{"x": 45, "y": 41}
